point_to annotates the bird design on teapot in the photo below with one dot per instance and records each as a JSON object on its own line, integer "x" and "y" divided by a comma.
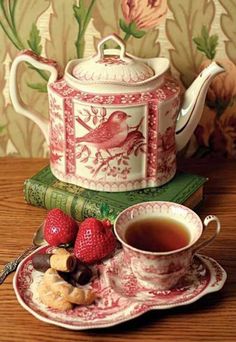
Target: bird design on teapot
{"x": 109, "y": 144}
{"x": 116, "y": 120}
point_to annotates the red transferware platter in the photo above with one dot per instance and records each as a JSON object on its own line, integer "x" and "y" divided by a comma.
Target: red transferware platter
{"x": 119, "y": 297}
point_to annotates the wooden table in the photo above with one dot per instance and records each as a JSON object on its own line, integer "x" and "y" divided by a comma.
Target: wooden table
{"x": 212, "y": 318}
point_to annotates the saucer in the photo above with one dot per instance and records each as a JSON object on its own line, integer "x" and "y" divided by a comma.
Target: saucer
{"x": 120, "y": 297}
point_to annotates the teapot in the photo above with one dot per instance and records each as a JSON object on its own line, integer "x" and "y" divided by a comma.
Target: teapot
{"x": 116, "y": 120}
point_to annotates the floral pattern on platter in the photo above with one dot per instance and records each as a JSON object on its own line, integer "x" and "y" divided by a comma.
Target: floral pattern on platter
{"x": 120, "y": 298}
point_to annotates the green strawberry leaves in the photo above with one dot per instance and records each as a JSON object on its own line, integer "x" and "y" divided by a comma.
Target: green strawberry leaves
{"x": 107, "y": 213}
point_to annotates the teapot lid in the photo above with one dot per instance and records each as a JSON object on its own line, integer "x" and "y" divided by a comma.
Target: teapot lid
{"x": 112, "y": 65}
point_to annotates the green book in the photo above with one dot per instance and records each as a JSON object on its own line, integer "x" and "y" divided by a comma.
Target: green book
{"x": 45, "y": 190}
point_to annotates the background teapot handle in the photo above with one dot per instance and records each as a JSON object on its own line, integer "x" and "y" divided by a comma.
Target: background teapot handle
{"x": 19, "y": 106}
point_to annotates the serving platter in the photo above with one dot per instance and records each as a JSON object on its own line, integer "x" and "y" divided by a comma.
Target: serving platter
{"x": 119, "y": 296}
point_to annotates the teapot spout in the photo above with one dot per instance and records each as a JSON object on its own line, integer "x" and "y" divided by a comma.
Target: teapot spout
{"x": 194, "y": 99}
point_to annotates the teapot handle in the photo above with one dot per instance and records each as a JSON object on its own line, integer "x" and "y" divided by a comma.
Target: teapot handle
{"x": 19, "y": 106}
{"x": 121, "y": 52}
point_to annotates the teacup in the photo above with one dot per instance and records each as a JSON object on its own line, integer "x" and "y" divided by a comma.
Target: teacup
{"x": 162, "y": 270}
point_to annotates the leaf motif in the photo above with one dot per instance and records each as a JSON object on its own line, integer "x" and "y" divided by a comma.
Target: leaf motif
{"x": 94, "y": 110}
{"x": 138, "y": 34}
{"x": 131, "y": 29}
{"x": 86, "y": 118}
{"x": 142, "y": 150}
{"x": 63, "y": 32}
{"x": 25, "y": 17}
{"x": 84, "y": 160}
{"x": 35, "y": 40}
{"x": 206, "y": 43}
{"x": 135, "y": 32}
{"x": 189, "y": 18}
{"x": 80, "y": 12}
{"x": 103, "y": 112}
{"x": 41, "y": 87}
{"x": 228, "y": 20}
{"x": 124, "y": 27}
{"x": 95, "y": 120}
{"x": 86, "y": 115}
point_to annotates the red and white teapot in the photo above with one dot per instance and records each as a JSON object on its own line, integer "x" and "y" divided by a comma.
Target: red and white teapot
{"x": 115, "y": 119}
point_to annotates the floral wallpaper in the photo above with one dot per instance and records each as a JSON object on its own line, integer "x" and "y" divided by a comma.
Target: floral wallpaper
{"x": 189, "y": 33}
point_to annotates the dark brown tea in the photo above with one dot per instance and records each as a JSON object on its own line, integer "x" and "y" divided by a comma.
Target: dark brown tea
{"x": 157, "y": 234}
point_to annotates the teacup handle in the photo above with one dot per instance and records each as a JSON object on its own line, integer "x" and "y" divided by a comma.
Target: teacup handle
{"x": 207, "y": 220}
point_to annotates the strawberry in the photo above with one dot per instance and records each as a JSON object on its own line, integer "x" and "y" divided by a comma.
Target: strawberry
{"x": 94, "y": 241}
{"x": 59, "y": 228}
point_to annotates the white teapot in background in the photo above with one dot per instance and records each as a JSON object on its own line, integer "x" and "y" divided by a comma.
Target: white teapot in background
{"x": 116, "y": 120}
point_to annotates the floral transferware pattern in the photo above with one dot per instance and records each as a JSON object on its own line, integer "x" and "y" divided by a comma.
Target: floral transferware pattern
{"x": 113, "y": 142}
{"x": 120, "y": 298}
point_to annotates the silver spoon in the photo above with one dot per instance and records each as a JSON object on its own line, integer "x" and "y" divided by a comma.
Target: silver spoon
{"x": 11, "y": 266}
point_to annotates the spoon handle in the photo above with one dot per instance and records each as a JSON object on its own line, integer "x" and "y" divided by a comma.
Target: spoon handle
{"x": 12, "y": 265}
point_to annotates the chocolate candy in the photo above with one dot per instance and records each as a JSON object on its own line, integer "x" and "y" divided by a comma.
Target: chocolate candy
{"x": 81, "y": 275}
{"x": 64, "y": 263}
{"x": 41, "y": 262}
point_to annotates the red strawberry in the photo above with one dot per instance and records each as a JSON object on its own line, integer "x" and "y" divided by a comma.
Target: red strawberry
{"x": 94, "y": 241}
{"x": 59, "y": 228}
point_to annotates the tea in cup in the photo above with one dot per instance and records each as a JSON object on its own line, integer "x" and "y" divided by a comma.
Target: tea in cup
{"x": 159, "y": 240}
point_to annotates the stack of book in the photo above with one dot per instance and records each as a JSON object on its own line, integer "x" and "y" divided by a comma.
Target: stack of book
{"x": 45, "y": 190}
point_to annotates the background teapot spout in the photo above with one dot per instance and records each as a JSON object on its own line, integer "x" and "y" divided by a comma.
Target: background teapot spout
{"x": 194, "y": 99}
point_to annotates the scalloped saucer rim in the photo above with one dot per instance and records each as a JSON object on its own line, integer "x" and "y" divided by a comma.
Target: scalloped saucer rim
{"x": 216, "y": 274}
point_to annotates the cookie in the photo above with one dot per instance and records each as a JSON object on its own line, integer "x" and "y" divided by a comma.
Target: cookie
{"x": 70, "y": 293}
{"x": 52, "y": 299}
